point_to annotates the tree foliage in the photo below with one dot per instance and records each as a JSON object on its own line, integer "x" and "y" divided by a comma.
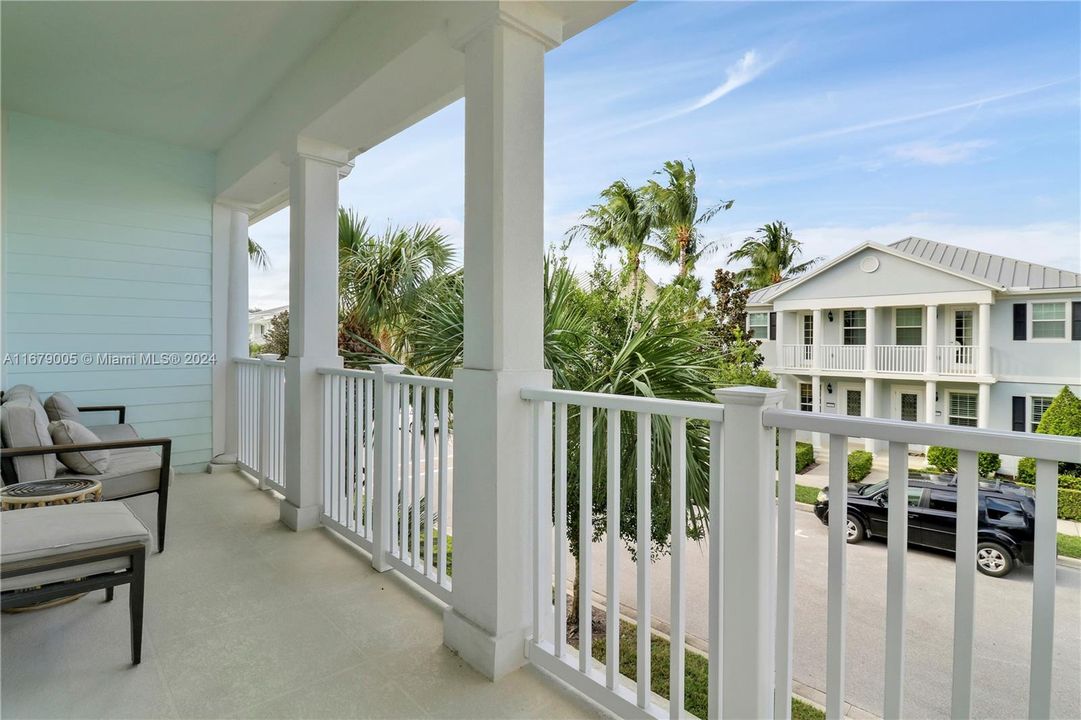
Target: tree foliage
{"x": 773, "y": 253}
{"x": 677, "y": 219}
{"x": 276, "y": 339}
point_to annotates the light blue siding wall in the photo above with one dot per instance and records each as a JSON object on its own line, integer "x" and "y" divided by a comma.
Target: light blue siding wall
{"x": 107, "y": 249}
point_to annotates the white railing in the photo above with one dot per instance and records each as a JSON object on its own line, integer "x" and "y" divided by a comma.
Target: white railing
{"x": 969, "y": 442}
{"x": 751, "y": 546}
{"x": 798, "y": 356}
{"x": 420, "y": 524}
{"x": 261, "y": 418}
{"x": 842, "y": 357}
{"x": 659, "y": 428}
{"x": 387, "y": 469}
{"x": 348, "y": 453}
{"x": 900, "y": 358}
{"x": 956, "y": 359}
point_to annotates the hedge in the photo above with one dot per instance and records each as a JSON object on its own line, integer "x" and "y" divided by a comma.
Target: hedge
{"x": 944, "y": 459}
{"x": 859, "y": 465}
{"x": 1069, "y": 499}
{"x": 1026, "y": 473}
{"x": 805, "y": 456}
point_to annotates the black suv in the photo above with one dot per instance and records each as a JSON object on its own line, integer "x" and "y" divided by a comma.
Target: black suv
{"x": 1004, "y": 529}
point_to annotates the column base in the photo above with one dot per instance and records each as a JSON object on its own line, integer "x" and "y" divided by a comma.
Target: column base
{"x": 226, "y": 462}
{"x": 493, "y": 657}
{"x": 302, "y": 518}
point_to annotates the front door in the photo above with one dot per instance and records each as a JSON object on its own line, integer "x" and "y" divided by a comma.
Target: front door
{"x": 851, "y": 400}
{"x": 907, "y": 404}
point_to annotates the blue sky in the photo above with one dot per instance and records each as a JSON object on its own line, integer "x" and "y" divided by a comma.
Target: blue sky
{"x": 853, "y": 121}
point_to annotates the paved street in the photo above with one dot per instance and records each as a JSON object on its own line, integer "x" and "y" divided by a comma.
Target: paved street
{"x": 1003, "y": 618}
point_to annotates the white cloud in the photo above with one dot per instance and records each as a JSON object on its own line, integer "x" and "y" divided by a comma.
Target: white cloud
{"x": 746, "y": 69}
{"x": 931, "y": 153}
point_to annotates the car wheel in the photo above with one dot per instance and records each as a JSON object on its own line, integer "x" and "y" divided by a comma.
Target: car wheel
{"x": 993, "y": 559}
{"x": 854, "y": 530}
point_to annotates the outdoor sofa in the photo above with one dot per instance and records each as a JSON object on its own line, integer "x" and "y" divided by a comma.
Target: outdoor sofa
{"x": 132, "y": 466}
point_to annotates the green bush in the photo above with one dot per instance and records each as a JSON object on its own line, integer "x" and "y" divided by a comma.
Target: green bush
{"x": 1062, "y": 417}
{"x": 944, "y": 459}
{"x": 859, "y": 465}
{"x": 1026, "y": 470}
{"x": 805, "y": 456}
{"x": 1069, "y": 499}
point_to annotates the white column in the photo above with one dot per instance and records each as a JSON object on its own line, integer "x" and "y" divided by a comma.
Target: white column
{"x": 929, "y": 401}
{"x": 869, "y": 358}
{"x": 983, "y": 331}
{"x": 869, "y": 400}
{"x": 504, "y": 336}
{"x": 229, "y": 325}
{"x": 748, "y": 565}
{"x": 983, "y": 406}
{"x": 313, "y": 321}
{"x": 931, "y": 323}
{"x": 816, "y": 400}
{"x": 816, "y": 340}
{"x": 778, "y": 343}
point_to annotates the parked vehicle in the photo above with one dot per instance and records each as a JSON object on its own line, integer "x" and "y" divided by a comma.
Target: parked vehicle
{"x": 1006, "y": 518}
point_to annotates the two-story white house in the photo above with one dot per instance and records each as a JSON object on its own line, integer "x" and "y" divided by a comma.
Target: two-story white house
{"x": 923, "y": 331}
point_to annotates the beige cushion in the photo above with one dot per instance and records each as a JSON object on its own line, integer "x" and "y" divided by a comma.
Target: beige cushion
{"x": 131, "y": 472}
{"x": 84, "y": 462}
{"x": 60, "y": 407}
{"x": 21, "y": 425}
{"x": 40, "y": 533}
{"x": 109, "y": 433}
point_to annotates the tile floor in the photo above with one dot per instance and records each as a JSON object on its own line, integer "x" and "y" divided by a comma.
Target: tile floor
{"x": 247, "y": 619}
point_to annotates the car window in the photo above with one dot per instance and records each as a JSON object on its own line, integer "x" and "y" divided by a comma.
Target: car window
{"x": 998, "y": 508}
{"x": 915, "y": 495}
{"x": 943, "y": 500}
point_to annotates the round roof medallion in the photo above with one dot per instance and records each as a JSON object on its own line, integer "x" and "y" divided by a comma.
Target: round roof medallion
{"x": 869, "y": 264}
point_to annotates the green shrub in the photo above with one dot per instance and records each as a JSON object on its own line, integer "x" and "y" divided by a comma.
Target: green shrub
{"x": 1026, "y": 470}
{"x": 1070, "y": 482}
{"x": 1062, "y": 417}
{"x": 944, "y": 459}
{"x": 859, "y": 465}
{"x": 805, "y": 456}
{"x": 1069, "y": 499}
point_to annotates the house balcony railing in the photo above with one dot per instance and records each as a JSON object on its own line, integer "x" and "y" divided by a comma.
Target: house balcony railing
{"x": 387, "y": 481}
{"x": 956, "y": 359}
{"x": 261, "y": 416}
{"x": 798, "y": 356}
{"x": 842, "y": 357}
{"x": 900, "y": 358}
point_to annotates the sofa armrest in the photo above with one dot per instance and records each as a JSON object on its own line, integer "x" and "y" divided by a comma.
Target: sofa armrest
{"x": 121, "y": 410}
{"x": 166, "y": 445}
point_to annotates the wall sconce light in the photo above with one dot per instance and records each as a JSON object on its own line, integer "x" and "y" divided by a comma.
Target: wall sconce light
{"x": 829, "y": 388}
{"x": 829, "y": 316}
{"x": 936, "y": 397}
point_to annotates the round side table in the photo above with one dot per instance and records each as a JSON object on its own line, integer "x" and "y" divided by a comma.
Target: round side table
{"x": 40, "y": 493}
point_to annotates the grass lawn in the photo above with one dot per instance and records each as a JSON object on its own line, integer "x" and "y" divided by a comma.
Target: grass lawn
{"x": 806, "y": 494}
{"x": 696, "y": 683}
{"x": 1069, "y": 545}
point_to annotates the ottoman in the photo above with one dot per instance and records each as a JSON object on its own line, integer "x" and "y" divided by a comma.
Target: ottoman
{"x": 53, "y": 552}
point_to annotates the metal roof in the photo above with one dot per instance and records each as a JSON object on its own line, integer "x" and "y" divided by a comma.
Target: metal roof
{"x": 1004, "y": 271}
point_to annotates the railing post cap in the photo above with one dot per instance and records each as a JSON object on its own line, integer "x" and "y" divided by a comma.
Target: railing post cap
{"x": 387, "y": 368}
{"x": 749, "y": 395}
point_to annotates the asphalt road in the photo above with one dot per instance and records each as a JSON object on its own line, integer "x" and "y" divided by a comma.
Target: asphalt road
{"x": 1003, "y": 624}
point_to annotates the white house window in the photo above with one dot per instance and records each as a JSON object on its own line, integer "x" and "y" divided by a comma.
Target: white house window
{"x": 962, "y": 327}
{"x": 909, "y": 326}
{"x": 758, "y": 325}
{"x": 808, "y": 330}
{"x": 1049, "y": 320}
{"x": 806, "y": 397}
{"x": 855, "y": 327}
{"x": 963, "y": 409}
{"x": 1037, "y": 407}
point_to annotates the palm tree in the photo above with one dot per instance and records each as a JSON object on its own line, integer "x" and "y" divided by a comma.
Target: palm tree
{"x": 257, "y": 255}
{"x": 623, "y": 222}
{"x": 382, "y": 278}
{"x": 676, "y": 217}
{"x": 772, "y": 252}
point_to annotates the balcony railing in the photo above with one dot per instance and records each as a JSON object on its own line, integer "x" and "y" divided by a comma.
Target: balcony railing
{"x": 798, "y": 356}
{"x": 956, "y": 359}
{"x": 261, "y": 418}
{"x": 843, "y": 357}
{"x": 387, "y": 485}
{"x": 900, "y": 358}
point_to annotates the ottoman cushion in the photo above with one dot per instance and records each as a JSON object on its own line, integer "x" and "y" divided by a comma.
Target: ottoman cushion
{"x": 42, "y": 532}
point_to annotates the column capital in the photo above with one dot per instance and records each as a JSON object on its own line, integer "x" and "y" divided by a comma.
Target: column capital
{"x": 323, "y": 152}
{"x": 236, "y": 206}
{"x": 529, "y": 18}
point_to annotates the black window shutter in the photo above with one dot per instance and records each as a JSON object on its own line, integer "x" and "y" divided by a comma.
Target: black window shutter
{"x": 773, "y": 325}
{"x": 1019, "y": 413}
{"x": 1075, "y": 331}
{"x": 1020, "y": 321}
